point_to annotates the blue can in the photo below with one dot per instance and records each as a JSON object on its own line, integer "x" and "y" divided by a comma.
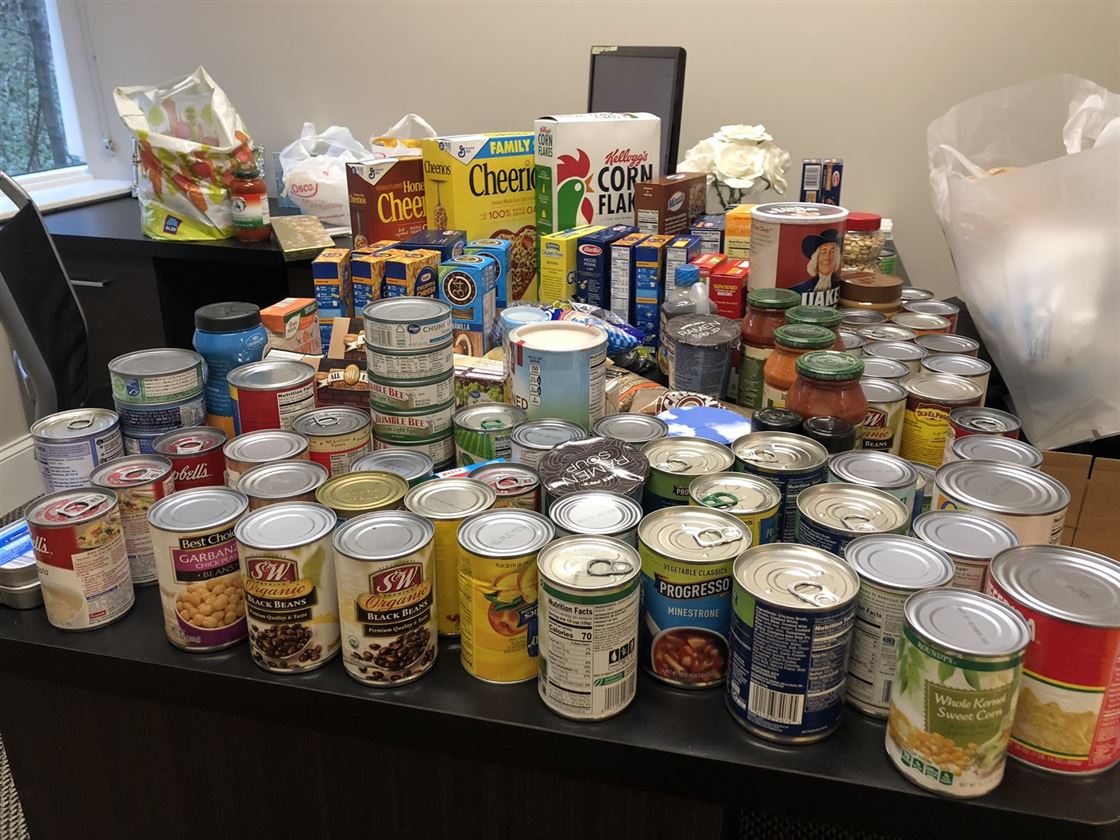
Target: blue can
{"x": 829, "y": 516}
{"x": 923, "y": 494}
{"x": 162, "y": 418}
{"x": 141, "y": 443}
{"x": 793, "y": 611}
{"x": 792, "y": 463}
{"x": 226, "y": 335}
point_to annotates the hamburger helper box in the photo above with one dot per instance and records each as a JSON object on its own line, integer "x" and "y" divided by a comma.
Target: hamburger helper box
{"x": 340, "y": 373}
{"x": 593, "y": 264}
{"x": 386, "y": 199}
{"x": 466, "y": 284}
{"x": 293, "y": 324}
{"x": 668, "y": 204}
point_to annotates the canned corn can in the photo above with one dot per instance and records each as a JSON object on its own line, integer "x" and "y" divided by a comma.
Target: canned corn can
{"x": 270, "y": 394}
{"x": 673, "y": 464}
{"x": 414, "y": 467}
{"x": 282, "y": 481}
{"x": 754, "y": 501}
{"x": 893, "y": 349}
{"x": 139, "y": 482}
{"x": 517, "y": 485}
{"x": 262, "y": 447}
{"x": 408, "y": 368}
{"x": 70, "y": 444}
{"x": 829, "y": 516}
{"x": 599, "y": 513}
{"x": 160, "y": 375}
{"x": 484, "y": 432}
{"x": 196, "y": 455}
{"x": 533, "y": 439}
{"x": 407, "y": 323}
{"x": 413, "y": 426}
{"x": 968, "y": 539}
{"x": 791, "y": 462}
{"x": 397, "y": 395}
{"x": 336, "y": 436}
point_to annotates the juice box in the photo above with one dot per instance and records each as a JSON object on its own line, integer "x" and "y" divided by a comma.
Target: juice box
{"x": 386, "y": 199}
{"x": 668, "y": 204}
{"x": 622, "y": 275}
{"x": 500, "y": 250}
{"x": 727, "y": 287}
{"x": 467, "y": 285}
{"x": 593, "y": 264}
{"x": 710, "y": 230}
{"x": 704, "y": 262}
{"x": 448, "y": 244}
{"x": 293, "y": 324}
{"x": 411, "y": 274}
{"x": 558, "y": 262}
{"x": 649, "y": 285}
{"x": 367, "y": 271}
{"x": 483, "y": 184}
{"x": 680, "y": 251}
{"x": 737, "y": 231}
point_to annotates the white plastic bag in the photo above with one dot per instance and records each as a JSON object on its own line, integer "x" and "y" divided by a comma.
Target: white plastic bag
{"x": 403, "y": 139}
{"x": 1037, "y": 245}
{"x": 314, "y": 172}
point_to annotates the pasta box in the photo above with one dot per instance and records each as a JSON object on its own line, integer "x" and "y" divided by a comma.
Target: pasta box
{"x": 710, "y": 229}
{"x": 367, "y": 272}
{"x": 667, "y": 205}
{"x": 593, "y": 264}
{"x": 499, "y": 249}
{"x": 386, "y": 199}
{"x": 737, "y": 231}
{"x": 707, "y": 262}
{"x": 727, "y": 287}
{"x": 680, "y": 251}
{"x": 411, "y": 273}
{"x": 334, "y": 295}
{"x": 293, "y": 324}
{"x": 448, "y": 244}
{"x": 622, "y": 275}
{"x": 467, "y": 285}
{"x": 821, "y": 180}
{"x": 649, "y": 285}
{"x": 558, "y": 262}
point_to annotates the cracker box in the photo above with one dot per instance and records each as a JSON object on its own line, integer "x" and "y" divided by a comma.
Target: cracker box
{"x": 293, "y": 324}
{"x": 710, "y": 230}
{"x": 821, "y": 180}
{"x": 727, "y": 288}
{"x": 483, "y": 184}
{"x": 593, "y": 264}
{"x": 649, "y": 285}
{"x": 704, "y": 262}
{"x": 680, "y": 251}
{"x": 622, "y": 275}
{"x": 386, "y": 199}
{"x": 737, "y": 232}
{"x": 467, "y": 285}
{"x": 668, "y": 205}
{"x": 448, "y": 244}
{"x": 479, "y": 380}
{"x": 411, "y": 273}
{"x": 500, "y": 250}
{"x": 558, "y": 262}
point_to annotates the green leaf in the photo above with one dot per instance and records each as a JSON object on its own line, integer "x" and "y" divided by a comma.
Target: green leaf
{"x": 944, "y": 671}
{"x": 903, "y": 679}
{"x": 498, "y": 606}
{"x": 972, "y": 678}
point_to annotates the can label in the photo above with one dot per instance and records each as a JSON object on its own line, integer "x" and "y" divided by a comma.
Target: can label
{"x": 1042, "y": 529}
{"x": 564, "y": 384}
{"x": 875, "y": 639}
{"x": 665, "y": 489}
{"x": 497, "y": 602}
{"x": 163, "y": 388}
{"x": 925, "y": 425}
{"x": 804, "y": 258}
{"x": 134, "y": 503}
{"x": 789, "y": 485}
{"x": 477, "y": 446}
{"x": 446, "y": 574}
{"x": 271, "y": 409}
{"x": 162, "y": 418}
{"x": 412, "y": 366}
{"x": 441, "y": 450}
{"x": 140, "y": 445}
{"x": 338, "y": 452}
{"x": 763, "y": 525}
{"x": 410, "y": 428}
{"x": 199, "y": 469}
{"x": 65, "y": 466}
{"x": 882, "y": 427}
{"x": 401, "y": 396}
{"x": 751, "y": 382}
{"x": 588, "y": 651}
{"x": 773, "y": 397}
{"x": 399, "y": 335}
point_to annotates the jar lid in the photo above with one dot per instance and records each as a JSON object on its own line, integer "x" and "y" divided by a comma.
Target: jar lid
{"x": 804, "y": 336}
{"x": 871, "y": 287}
{"x": 686, "y": 275}
{"x": 231, "y": 316}
{"x": 823, "y": 316}
{"x": 833, "y": 433}
{"x": 829, "y": 366}
{"x": 864, "y": 221}
{"x": 772, "y": 298}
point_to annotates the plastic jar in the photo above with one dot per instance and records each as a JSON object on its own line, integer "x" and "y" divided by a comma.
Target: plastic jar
{"x": 872, "y": 292}
{"x": 790, "y": 342}
{"x": 818, "y": 316}
{"x": 828, "y": 385}
{"x": 249, "y": 196}
{"x": 766, "y": 311}
{"x": 863, "y": 241}
{"x": 226, "y": 335}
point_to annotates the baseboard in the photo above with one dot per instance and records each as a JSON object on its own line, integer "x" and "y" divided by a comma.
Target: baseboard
{"x": 19, "y": 474}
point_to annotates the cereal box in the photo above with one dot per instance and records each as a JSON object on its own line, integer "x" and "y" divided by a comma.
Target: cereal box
{"x": 410, "y": 273}
{"x": 622, "y": 275}
{"x": 681, "y": 251}
{"x": 704, "y": 262}
{"x": 500, "y": 250}
{"x": 386, "y": 199}
{"x": 727, "y": 288}
{"x": 448, "y": 244}
{"x": 467, "y": 284}
{"x": 558, "y": 262}
{"x": 710, "y": 230}
{"x": 293, "y": 324}
{"x": 593, "y": 264}
{"x": 479, "y": 380}
{"x": 649, "y": 285}
{"x": 483, "y": 184}
{"x": 737, "y": 231}
{"x": 334, "y": 293}
{"x": 668, "y": 205}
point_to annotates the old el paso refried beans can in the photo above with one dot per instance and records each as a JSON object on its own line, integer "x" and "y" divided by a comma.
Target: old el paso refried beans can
{"x": 198, "y": 568}
{"x": 798, "y": 246}
{"x": 287, "y": 567}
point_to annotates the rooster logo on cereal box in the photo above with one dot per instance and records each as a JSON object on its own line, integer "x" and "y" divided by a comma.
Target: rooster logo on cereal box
{"x": 573, "y": 207}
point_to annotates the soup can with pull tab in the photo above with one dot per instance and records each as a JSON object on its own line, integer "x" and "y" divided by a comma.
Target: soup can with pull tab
{"x": 674, "y": 462}
{"x": 196, "y": 455}
{"x": 139, "y": 481}
{"x": 70, "y": 444}
{"x": 599, "y": 513}
{"x": 753, "y": 500}
{"x": 517, "y": 485}
{"x": 970, "y": 540}
{"x": 336, "y": 436}
{"x": 791, "y": 462}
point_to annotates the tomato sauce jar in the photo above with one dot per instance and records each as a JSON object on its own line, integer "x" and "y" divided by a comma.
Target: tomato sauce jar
{"x": 828, "y": 385}
{"x": 766, "y": 311}
{"x": 249, "y": 196}
{"x": 780, "y": 371}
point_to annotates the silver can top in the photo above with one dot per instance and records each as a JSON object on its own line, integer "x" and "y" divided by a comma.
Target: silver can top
{"x": 887, "y": 333}
{"x": 932, "y": 307}
{"x": 883, "y": 390}
{"x": 855, "y": 318}
{"x": 996, "y": 448}
{"x": 282, "y": 479}
{"x": 76, "y": 424}
{"x": 852, "y": 341}
{"x": 926, "y": 474}
{"x": 965, "y": 622}
{"x": 969, "y": 536}
{"x": 508, "y": 479}
{"x": 688, "y": 455}
{"x": 900, "y": 563}
{"x": 328, "y": 422}
{"x": 796, "y": 577}
{"x": 920, "y": 321}
{"x": 159, "y": 361}
{"x": 956, "y": 364}
{"x": 912, "y": 293}
{"x": 899, "y": 351}
{"x": 873, "y": 469}
{"x": 944, "y": 387}
{"x": 506, "y": 532}
{"x": 852, "y": 510}
{"x": 779, "y": 452}
{"x": 407, "y": 310}
{"x": 130, "y": 471}
{"x": 198, "y": 509}
{"x": 1070, "y": 584}
{"x": 546, "y": 433}
{"x": 265, "y": 445}
{"x": 1003, "y": 488}
{"x": 270, "y": 374}
{"x": 285, "y": 526}
{"x": 70, "y": 507}
{"x": 190, "y": 440}
{"x": 598, "y": 512}
{"x": 694, "y": 534}
{"x": 982, "y": 420}
{"x": 409, "y": 464}
{"x": 450, "y": 498}
{"x": 490, "y": 417}
{"x": 948, "y": 343}
{"x": 588, "y": 563}
{"x": 383, "y": 535}
{"x": 634, "y": 429}
{"x": 736, "y": 493}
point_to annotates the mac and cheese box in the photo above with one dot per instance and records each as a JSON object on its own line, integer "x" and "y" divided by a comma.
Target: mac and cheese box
{"x": 334, "y": 293}
{"x": 737, "y": 231}
{"x": 649, "y": 285}
{"x": 410, "y": 273}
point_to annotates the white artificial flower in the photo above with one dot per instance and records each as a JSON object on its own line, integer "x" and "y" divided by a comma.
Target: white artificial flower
{"x": 739, "y": 162}
{"x": 743, "y": 134}
{"x": 776, "y": 164}
{"x": 700, "y": 158}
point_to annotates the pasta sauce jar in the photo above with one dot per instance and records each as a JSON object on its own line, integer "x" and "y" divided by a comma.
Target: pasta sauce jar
{"x": 766, "y": 311}
{"x": 249, "y": 197}
{"x": 780, "y": 370}
{"x": 828, "y": 385}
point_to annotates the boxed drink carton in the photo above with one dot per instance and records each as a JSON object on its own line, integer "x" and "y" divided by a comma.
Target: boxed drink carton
{"x": 334, "y": 293}
{"x": 704, "y": 262}
{"x": 558, "y": 262}
{"x": 649, "y": 285}
{"x": 710, "y": 229}
{"x": 737, "y": 231}
{"x": 680, "y": 251}
{"x": 411, "y": 273}
{"x": 386, "y": 199}
{"x": 727, "y": 288}
{"x": 479, "y": 380}
{"x": 483, "y": 184}
{"x": 293, "y": 324}
{"x": 667, "y": 205}
{"x": 448, "y": 244}
{"x": 593, "y": 264}
{"x": 500, "y": 250}
{"x": 467, "y": 285}
{"x": 622, "y": 275}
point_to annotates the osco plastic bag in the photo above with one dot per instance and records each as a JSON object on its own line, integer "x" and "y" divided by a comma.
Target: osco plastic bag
{"x": 314, "y": 172}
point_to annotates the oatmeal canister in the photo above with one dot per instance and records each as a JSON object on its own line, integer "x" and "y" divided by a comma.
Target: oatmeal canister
{"x": 70, "y": 444}
{"x": 798, "y": 246}
{"x": 139, "y": 481}
{"x": 287, "y": 568}
{"x": 674, "y": 462}
{"x": 1070, "y": 598}
{"x": 199, "y": 571}
{"x": 385, "y": 570}
{"x": 598, "y": 513}
{"x": 270, "y": 394}
{"x": 282, "y": 481}
{"x": 686, "y": 593}
{"x": 793, "y": 609}
{"x": 925, "y": 424}
{"x": 336, "y": 436}
{"x": 247, "y": 451}
{"x": 754, "y": 501}
{"x": 791, "y": 462}
{"x": 588, "y": 626}
{"x": 196, "y": 455}
{"x": 517, "y": 485}
{"x": 968, "y": 539}
{"x": 498, "y": 592}
{"x": 81, "y": 557}
{"x": 960, "y": 663}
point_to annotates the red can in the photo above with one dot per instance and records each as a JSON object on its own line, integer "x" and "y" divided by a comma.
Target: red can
{"x": 517, "y": 485}
{"x": 139, "y": 482}
{"x": 196, "y": 456}
{"x": 799, "y": 246}
{"x": 979, "y": 420}
{"x": 270, "y": 394}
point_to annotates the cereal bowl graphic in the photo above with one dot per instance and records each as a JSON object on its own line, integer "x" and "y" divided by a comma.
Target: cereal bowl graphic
{"x": 211, "y": 604}
{"x": 688, "y": 654}
{"x": 514, "y": 593}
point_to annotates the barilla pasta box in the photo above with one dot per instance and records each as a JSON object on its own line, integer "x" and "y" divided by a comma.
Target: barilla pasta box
{"x": 500, "y": 250}
{"x": 710, "y": 229}
{"x": 667, "y": 205}
{"x": 293, "y": 324}
{"x": 334, "y": 294}
{"x": 649, "y": 285}
{"x": 727, "y": 287}
{"x": 411, "y": 273}
{"x": 704, "y": 262}
{"x": 593, "y": 264}
{"x": 467, "y": 285}
{"x": 821, "y": 179}
{"x": 386, "y": 199}
{"x": 737, "y": 231}
{"x": 680, "y": 251}
{"x": 558, "y": 262}
{"x": 622, "y": 275}
{"x": 367, "y": 272}
{"x": 484, "y": 184}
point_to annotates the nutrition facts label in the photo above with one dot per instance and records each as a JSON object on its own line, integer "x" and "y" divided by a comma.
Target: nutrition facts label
{"x": 294, "y": 402}
{"x": 875, "y": 642}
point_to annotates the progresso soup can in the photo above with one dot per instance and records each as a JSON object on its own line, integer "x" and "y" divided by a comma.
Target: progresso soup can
{"x": 483, "y": 432}
{"x": 673, "y": 464}
{"x": 70, "y": 444}
{"x": 970, "y": 540}
{"x": 793, "y": 610}
{"x": 686, "y": 593}
{"x": 791, "y": 462}
{"x": 533, "y": 439}
{"x": 139, "y": 481}
{"x": 557, "y": 369}
{"x": 830, "y": 516}
{"x": 754, "y": 501}
{"x": 336, "y": 436}
{"x": 270, "y": 394}
{"x": 598, "y": 513}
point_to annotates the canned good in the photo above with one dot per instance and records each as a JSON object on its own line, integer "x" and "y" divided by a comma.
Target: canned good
{"x": 829, "y": 516}
{"x": 923, "y": 491}
{"x": 699, "y": 352}
{"x": 853, "y": 319}
{"x": 1029, "y": 502}
{"x": 81, "y": 557}
{"x": 887, "y": 333}
{"x": 793, "y": 608}
{"x": 891, "y": 568}
{"x": 386, "y": 579}
{"x": 798, "y": 245}
{"x": 196, "y": 455}
{"x": 270, "y": 394}
{"x": 675, "y": 462}
{"x": 939, "y": 308}
{"x": 752, "y": 500}
{"x": 960, "y": 661}
{"x": 937, "y": 343}
{"x": 588, "y": 607}
{"x": 199, "y": 571}
{"x": 160, "y": 375}
{"x": 912, "y": 293}
{"x": 880, "y": 470}
{"x": 447, "y": 502}
{"x": 262, "y": 447}
{"x": 336, "y": 436}
{"x": 413, "y": 466}
{"x": 439, "y": 450}
{"x": 921, "y": 323}
{"x": 906, "y": 352}
{"x": 853, "y": 343}
{"x": 534, "y": 438}
{"x": 979, "y": 420}
{"x": 19, "y": 577}
{"x": 597, "y": 513}
{"x": 161, "y": 417}
{"x": 994, "y": 448}
{"x": 356, "y": 493}
{"x": 405, "y": 368}
{"x": 288, "y": 575}
{"x": 966, "y": 367}
{"x": 929, "y": 399}
{"x": 593, "y": 464}
{"x": 968, "y": 539}
{"x": 69, "y": 444}
{"x": 557, "y": 369}
{"x": 140, "y": 443}
{"x": 483, "y": 432}
{"x": 413, "y": 427}
{"x": 634, "y": 429}
{"x": 1070, "y": 598}
{"x": 517, "y": 485}
{"x": 790, "y": 462}
{"x": 395, "y": 395}
{"x": 686, "y": 593}
{"x": 498, "y": 581}
{"x": 886, "y": 405}
{"x": 407, "y": 323}
{"x": 887, "y": 369}
{"x": 138, "y": 482}
{"x": 282, "y": 481}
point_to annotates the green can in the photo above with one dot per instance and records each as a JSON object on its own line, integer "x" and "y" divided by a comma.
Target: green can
{"x": 752, "y": 500}
{"x": 484, "y": 432}
{"x": 673, "y": 464}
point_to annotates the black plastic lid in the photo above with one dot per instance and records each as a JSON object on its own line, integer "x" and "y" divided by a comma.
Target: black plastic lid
{"x": 231, "y": 316}
{"x": 776, "y": 420}
{"x": 833, "y": 433}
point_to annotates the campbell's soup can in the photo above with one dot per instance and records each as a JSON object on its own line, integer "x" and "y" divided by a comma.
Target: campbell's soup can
{"x": 270, "y": 394}
{"x": 798, "y": 246}
{"x": 196, "y": 455}
{"x": 139, "y": 481}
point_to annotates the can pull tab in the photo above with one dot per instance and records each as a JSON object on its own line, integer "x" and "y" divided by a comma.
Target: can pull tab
{"x": 813, "y": 593}
{"x": 188, "y": 446}
{"x": 492, "y": 425}
{"x": 988, "y": 424}
{"x": 512, "y": 482}
{"x": 711, "y": 537}
{"x": 609, "y": 568}
{"x": 326, "y": 421}
{"x": 720, "y": 500}
{"x": 760, "y": 456}
{"x": 673, "y": 465}
{"x": 79, "y": 507}
{"x": 878, "y": 335}
{"x": 140, "y": 474}
{"x": 857, "y": 522}
{"x": 79, "y": 423}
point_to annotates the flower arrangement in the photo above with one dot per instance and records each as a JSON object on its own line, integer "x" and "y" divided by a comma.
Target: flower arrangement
{"x": 740, "y": 161}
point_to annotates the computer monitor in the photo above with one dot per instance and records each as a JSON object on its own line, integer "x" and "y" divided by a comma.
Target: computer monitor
{"x": 641, "y": 79}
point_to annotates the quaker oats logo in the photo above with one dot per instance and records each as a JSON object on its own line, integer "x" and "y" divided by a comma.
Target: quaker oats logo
{"x": 458, "y": 288}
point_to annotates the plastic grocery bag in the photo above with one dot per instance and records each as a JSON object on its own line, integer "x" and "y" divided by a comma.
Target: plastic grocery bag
{"x": 314, "y": 172}
{"x": 190, "y": 136}
{"x": 403, "y": 139}
{"x": 1026, "y": 183}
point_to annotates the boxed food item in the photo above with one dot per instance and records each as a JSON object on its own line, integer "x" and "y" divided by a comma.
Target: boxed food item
{"x": 558, "y": 262}
{"x": 483, "y": 184}
{"x": 667, "y": 205}
{"x": 593, "y": 264}
{"x": 737, "y": 231}
{"x": 339, "y": 380}
{"x": 680, "y": 251}
{"x": 727, "y": 287}
{"x": 334, "y": 293}
{"x": 649, "y": 285}
{"x": 374, "y": 247}
{"x": 467, "y": 285}
{"x": 821, "y": 180}
{"x": 367, "y": 272}
{"x": 410, "y": 273}
{"x": 293, "y": 324}
{"x": 705, "y": 262}
{"x": 447, "y": 243}
{"x": 622, "y": 275}
{"x": 386, "y": 199}
{"x": 710, "y": 229}
{"x": 479, "y": 380}
{"x": 500, "y": 250}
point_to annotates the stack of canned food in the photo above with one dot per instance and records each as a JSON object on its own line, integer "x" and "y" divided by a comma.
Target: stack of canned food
{"x": 156, "y": 391}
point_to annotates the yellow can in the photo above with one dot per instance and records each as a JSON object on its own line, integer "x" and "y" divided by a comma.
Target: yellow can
{"x": 498, "y": 592}
{"x": 353, "y": 494}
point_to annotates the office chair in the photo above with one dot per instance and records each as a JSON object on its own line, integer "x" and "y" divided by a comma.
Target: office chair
{"x": 40, "y": 312}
